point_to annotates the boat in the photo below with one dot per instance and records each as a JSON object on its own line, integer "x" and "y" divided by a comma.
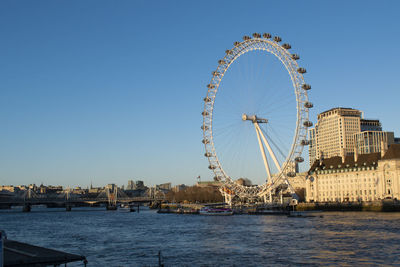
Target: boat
{"x": 302, "y": 214}
{"x": 126, "y": 207}
{"x": 269, "y": 212}
{"x": 215, "y": 211}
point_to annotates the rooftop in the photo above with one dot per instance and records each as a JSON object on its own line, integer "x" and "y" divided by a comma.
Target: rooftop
{"x": 342, "y": 111}
{"x": 366, "y": 160}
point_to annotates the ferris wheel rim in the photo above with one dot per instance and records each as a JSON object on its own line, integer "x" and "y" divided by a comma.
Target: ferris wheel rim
{"x": 300, "y": 88}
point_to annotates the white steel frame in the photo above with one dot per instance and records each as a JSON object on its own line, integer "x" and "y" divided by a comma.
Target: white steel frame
{"x": 272, "y": 46}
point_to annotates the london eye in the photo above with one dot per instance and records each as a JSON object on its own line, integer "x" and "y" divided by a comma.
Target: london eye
{"x": 278, "y": 149}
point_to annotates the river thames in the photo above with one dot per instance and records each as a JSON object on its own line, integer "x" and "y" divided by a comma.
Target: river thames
{"x": 115, "y": 238}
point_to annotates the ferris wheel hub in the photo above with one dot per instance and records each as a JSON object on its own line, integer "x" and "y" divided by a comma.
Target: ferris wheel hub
{"x": 253, "y": 119}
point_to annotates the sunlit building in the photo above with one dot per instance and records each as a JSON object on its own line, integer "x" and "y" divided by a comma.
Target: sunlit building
{"x": 370, "y": 141}
{"x": 357, "y": 177}
{"x": 342, "y": 130}
{"x": 335, "y": 131}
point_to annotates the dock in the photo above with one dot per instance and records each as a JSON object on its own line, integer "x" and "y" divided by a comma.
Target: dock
{"x": 22, "y": 254}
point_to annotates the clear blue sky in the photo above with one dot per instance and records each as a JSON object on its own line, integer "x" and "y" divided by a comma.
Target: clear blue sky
{"x": 107, "y": 91}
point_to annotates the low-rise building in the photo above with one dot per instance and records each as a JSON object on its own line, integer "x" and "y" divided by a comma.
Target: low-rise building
{"x": 165, "y": 186}
{"x": 214, "y": 184}
{"x": 179, "y": 187}
{"x": 9, "y": 188}
{"x": 358, "y": 177}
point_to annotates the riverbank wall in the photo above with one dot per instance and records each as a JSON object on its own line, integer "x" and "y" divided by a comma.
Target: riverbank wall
{"x": 384, "y": 206}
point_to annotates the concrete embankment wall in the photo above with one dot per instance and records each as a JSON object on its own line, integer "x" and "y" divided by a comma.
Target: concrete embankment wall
{"x": 386, "y": 206}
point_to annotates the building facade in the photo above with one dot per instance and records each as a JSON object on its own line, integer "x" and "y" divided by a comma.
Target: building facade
{"x": 312, "y": 150}
{"x": 370, "y": 125}
{"x": 364, "y": 177}
{"x": 370, "y": 141}
{"x": 335, "y": 131}
{"x": 341, "y": 130}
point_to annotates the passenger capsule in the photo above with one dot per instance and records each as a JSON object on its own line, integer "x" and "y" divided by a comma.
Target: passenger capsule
{"x": 308, "y": 105}
{"x": 291, "y": 174}
{"x": 236, "y": 43}
{"x": 306, "y": 86}
{"x": 211, "y": 86}
{"x": 286, "y": 46}
{"x": 207, "y": 154}
{"x": 305, "y": 142}
{"x": 212, "y": 167}
{"x": 215, "y": 73}
{"x": 299, "y": 159}
{"x": 205, "y": 141}
{"x": 228, "y": 51}
{"x": 221, "y": 61}
{"x": 207, "y": 99}
{"x": 277, "y": 39}
{"x": 246, "y": 38}
{"x": 308, "y": 124}
{"x": 295, "y": 56}
{"x": 256, "y": 35}
{"x": 267, "y": 35}
{"x": 205, "y": 113}
{"x": 217, "y": 178}
{"x": 204, "y": 127}
{"x": 301, "y": 70}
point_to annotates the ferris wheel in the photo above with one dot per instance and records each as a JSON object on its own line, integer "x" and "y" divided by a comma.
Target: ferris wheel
{"x": 285, "y": 167}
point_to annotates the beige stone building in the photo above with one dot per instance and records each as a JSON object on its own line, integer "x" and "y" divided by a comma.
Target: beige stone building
{"x": 364, "y": 177}
{"x": 342, "y": 130}
{"x": 335, "y": 131}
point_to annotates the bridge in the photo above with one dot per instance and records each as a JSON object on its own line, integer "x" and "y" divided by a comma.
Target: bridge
{"x": 111, "y": 199}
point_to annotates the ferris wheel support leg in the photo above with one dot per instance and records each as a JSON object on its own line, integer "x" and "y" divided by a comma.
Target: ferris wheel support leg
{"x": 263, "y": 152}
{"x": 268, "y": 147}
{"x": 228, "y": 199}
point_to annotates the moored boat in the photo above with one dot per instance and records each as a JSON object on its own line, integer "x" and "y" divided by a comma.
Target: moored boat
{"x": 215, "y": 211}
{"x": 127, "y": 207}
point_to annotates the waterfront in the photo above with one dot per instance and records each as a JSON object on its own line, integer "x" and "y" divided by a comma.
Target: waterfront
{"x": 134, "y": 239}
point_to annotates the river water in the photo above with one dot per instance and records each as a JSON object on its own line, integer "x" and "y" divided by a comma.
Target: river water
{"x": 116, "y": 238}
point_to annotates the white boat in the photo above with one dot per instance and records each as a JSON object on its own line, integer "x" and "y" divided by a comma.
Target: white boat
{"x": 215, "y": 211}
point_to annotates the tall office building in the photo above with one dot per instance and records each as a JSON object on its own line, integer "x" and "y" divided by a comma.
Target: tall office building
{"x": 131, "y": 185}
{"x": 370, "y": 141}
{"x": 333, "y": 132}
{"x": 342, "y": 130}
{"x": 312, "y": 151}
{"x": 370, "y": 125}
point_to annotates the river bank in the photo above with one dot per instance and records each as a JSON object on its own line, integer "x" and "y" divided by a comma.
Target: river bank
{"x": 380, "y": 206}
{"x": 376, "y": 206}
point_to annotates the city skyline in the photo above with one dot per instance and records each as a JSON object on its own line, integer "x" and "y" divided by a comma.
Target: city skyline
{"x": 105, "y": 93}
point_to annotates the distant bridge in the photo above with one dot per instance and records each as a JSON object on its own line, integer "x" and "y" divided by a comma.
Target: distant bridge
{"x": 64, "y": 200}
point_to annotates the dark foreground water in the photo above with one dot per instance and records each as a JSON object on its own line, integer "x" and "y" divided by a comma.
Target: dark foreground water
{"x": 114, "y": 238}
